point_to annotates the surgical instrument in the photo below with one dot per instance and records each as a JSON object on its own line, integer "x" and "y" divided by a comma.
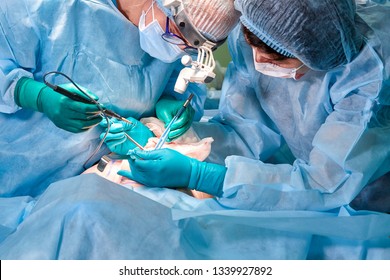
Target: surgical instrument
{"x": 103, "y": 163}
{"x": 87, "y": 99}
{"x": 164, "y": 136}
{"x": 132, "y": 140}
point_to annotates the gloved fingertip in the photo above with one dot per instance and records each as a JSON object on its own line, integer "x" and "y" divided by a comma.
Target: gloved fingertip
{"x": 134, "y": 153}
{"x": 174, "y": 135}
{"x": 125, "y": 173}
{"x": 131, "y": 154}
{"x": 103, "y": 122}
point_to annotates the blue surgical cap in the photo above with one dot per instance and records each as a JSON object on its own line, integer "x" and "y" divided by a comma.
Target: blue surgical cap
{"x": 320, "y": 33}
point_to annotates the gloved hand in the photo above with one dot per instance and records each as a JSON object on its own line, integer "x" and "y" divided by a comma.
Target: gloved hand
{"x": 116, "y": 140}
{"x": 167, "y": 108}
{"x": 169, "y": 168}
{"x": 64, "y": 112}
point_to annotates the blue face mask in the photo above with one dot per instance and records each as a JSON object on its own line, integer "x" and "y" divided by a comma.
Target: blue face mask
{"x": 152, "y": 42}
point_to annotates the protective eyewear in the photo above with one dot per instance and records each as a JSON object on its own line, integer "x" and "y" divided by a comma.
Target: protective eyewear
{"x": 175, "y": 39}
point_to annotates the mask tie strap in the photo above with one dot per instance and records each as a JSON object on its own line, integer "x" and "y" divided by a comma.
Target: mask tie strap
{"x": 151, "y": 7}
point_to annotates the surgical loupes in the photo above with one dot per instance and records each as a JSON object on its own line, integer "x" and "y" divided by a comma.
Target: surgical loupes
{"x": 198, "y": 71}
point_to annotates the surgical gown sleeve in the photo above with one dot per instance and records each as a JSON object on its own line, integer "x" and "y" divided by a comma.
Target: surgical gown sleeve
{"x": 336, "y": 124}
{"x": 12, "y": 56}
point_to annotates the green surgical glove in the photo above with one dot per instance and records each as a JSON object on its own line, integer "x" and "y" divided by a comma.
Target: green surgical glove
{"x": 116, "y": 140}
{"x": 166, "y": 109}
{"x": 64, "y": 112}
{"x": 169, "y": 168}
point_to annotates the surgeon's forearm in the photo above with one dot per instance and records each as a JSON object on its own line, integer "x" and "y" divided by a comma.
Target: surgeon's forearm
{"x": 226, "y": 141}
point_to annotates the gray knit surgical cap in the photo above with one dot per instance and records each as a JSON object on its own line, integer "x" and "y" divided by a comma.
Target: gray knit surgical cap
{"x": 320, "y": 33}
{"x": 213, "y": 18}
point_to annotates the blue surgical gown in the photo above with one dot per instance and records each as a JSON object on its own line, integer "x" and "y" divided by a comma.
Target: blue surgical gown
{"x": 336, "y": 125}
{"x": 93, "y": 43}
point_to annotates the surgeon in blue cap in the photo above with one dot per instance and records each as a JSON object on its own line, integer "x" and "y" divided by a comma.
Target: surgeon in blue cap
{"x": 114, "y": 50}
{"x": 304, "y": 118}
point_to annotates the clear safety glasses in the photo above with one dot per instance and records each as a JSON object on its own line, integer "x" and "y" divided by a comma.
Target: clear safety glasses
{"x": 175, "y": 39}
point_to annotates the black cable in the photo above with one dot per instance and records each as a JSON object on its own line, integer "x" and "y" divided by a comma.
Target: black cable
{"x": 89, "y": 99}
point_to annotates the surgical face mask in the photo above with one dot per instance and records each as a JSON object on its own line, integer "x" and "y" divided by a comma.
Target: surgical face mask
{"x": 273, "y": 70}
{"x": 152, "y": 42}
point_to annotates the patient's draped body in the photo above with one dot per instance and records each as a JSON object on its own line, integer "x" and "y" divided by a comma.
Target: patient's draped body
{"x": 188, "y": 144}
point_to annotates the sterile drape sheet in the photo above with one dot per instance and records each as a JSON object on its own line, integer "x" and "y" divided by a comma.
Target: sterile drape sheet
{"x": 88, "y": 217}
